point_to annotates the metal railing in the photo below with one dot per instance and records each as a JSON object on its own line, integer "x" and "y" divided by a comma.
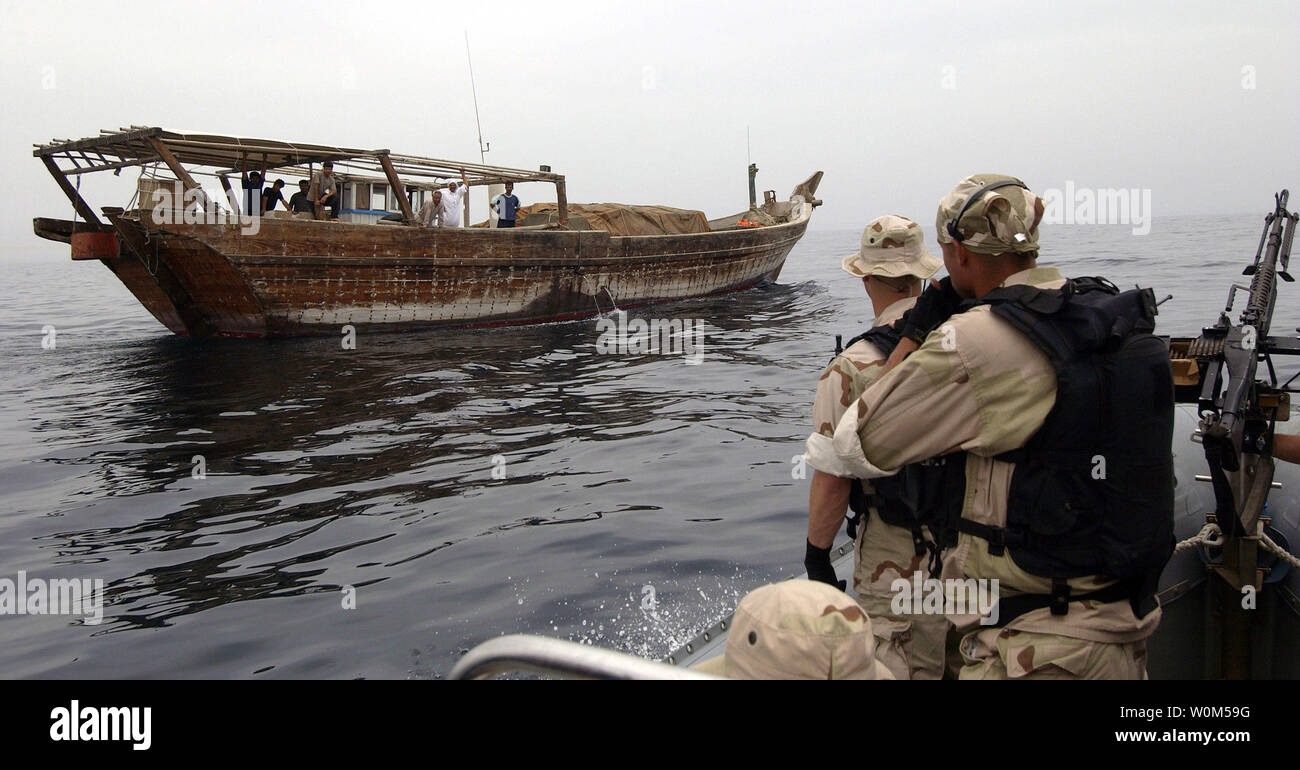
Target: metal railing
{"x": 538, "y": 654}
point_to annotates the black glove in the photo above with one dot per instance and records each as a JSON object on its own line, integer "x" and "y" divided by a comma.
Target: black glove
{"x": 932, "y": 308}
{"x": 818, "y": 563}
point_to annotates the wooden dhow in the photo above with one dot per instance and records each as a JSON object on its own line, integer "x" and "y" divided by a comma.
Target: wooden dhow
{"x": 203, "y": 269}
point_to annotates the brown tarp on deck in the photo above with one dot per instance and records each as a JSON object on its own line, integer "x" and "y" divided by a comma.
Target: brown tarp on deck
{"x": 617, "y": 218}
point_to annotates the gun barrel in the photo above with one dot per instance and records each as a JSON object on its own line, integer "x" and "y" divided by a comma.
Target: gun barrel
{"x": 1263, "y": 284}
{"x": 1287, "y": 239}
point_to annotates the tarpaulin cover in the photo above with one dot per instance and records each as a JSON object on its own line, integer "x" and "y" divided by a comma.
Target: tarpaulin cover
{"x": 618, "y": 219}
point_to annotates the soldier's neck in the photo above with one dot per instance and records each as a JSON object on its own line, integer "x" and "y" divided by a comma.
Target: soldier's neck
{"x": 881, "y": 301}
{"x": 995, "y": 277}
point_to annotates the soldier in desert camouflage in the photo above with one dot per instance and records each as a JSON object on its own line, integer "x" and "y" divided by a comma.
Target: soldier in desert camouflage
{"x": 892, "y": 264}
{"x": 966, "y": 383}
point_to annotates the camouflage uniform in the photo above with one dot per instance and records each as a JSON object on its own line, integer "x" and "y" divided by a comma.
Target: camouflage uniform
{"x": 911, "y": 646}
{"x": 977, "y": 384}
{"x": 798, "y": 629}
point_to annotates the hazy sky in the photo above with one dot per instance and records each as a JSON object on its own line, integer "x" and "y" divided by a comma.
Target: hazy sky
{"x": 649, "y": 102}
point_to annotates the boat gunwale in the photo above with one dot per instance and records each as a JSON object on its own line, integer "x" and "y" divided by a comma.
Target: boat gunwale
{"x": 766, "y": 237}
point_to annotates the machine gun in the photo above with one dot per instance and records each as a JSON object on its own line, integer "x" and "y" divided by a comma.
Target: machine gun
{"x": 1218, "y": 371}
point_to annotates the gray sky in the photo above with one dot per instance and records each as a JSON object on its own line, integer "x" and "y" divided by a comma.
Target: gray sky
{"x": 648, "y": 102}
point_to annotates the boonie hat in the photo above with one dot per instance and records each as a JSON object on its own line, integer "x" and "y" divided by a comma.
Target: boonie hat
{"x": 798, "y": 629}
{"x": 892, "y": 247}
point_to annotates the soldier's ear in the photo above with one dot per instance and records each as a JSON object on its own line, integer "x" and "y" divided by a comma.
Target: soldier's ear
{"x": 964, "y": 255}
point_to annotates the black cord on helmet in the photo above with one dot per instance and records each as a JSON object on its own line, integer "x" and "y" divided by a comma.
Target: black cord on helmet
{"x": 952, "y": 228}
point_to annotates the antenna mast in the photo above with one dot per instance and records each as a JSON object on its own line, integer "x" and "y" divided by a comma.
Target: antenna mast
{"x": 481, "y": 148}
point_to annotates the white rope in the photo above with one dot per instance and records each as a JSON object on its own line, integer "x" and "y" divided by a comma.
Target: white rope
{"x": 1209, "y": 534}
{"x": 1212, "y": 536}
{"x": 136, "y": 192}
{"x": 1267, "y": 543}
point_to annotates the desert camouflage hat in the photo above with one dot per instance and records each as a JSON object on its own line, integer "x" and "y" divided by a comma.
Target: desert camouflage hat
{"x": 892, "y": 247}
{"x": 1001, "y": 220}
{"x": 798, "y": 629}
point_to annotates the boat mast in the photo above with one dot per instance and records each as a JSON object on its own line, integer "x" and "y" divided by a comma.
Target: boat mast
{"x": 753, "y": 171}
{"x": 474, "y": 90}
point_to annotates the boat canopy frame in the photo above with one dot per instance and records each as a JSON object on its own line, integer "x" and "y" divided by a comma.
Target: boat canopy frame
{"x": 226, "y": 155}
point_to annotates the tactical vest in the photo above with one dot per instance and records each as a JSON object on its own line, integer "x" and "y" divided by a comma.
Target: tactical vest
{"x": 1092, "y": 492}
{"x": 885, "y": 338}
{"x": 920, "y": 493}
